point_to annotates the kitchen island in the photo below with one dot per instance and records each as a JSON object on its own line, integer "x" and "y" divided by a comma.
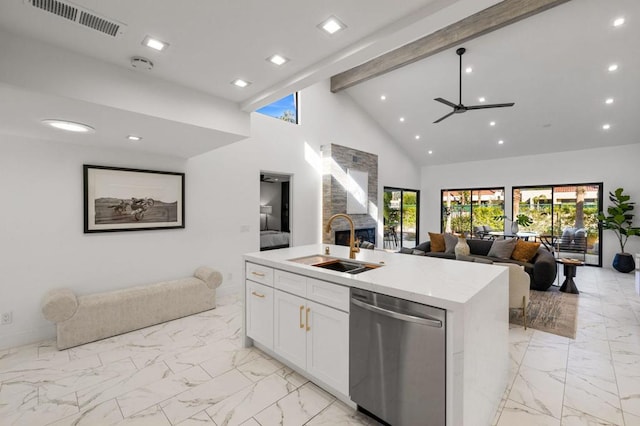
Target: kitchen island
{"x": 299, "y": 313}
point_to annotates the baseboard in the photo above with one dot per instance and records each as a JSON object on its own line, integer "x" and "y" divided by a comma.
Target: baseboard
{"x": 27, "y": 337}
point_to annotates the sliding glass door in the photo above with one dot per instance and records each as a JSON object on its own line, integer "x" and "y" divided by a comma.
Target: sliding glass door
{"x": 473, "y": 211}
{"x": 401, "y": 213}
{"x": 565, "y": 217}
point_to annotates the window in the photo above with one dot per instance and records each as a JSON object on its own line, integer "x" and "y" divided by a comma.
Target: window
{"x": 285, "y": 109}
{"x": 401, "y": 213}
{"x": 565, "y": 217}
{"x": 466, "y": 210}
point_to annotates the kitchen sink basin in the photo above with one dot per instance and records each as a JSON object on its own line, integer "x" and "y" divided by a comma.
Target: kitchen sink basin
{"x": 336, "y": 264}
{"x": 346, "y": 266}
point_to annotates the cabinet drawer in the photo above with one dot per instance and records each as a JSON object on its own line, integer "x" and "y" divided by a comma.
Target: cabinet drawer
{"x": 260, "y": 274}
{"x": 291, "y": 283}
{"x": 329, "y": 294}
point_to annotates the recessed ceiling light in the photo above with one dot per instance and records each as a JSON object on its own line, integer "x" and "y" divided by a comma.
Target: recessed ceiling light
{"x": 417, "y": 137}
{"x": 383, "y": 98}
{"x": 468, "y": 70}
{"x": 154, "y": 43}
{"x": 278, "y": 59}
{"x": 613, "y": 67}
{"x": 618, "y": 22}
{"x": 606, "y": 126}
{"x": 481, "y": 99}
{"x": 500, "y": 142}
{"x": 134, "y": 138}
{"x": 402, "y": 119}
{"x": 609, "y": 101}
{"x": 69, "y": 126}
{"x": 332, "y": 25}
{"x": 430, "y": 152}
{"x": 492, "y": 123}
{"x": 240, "y": 83}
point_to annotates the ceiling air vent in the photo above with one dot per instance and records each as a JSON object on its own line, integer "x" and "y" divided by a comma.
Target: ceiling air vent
{"x": 57, "y": 8}
{"x": 80, "y": 15}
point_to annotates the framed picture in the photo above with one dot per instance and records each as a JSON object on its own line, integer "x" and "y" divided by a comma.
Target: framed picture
{"x": 117, "y": 199}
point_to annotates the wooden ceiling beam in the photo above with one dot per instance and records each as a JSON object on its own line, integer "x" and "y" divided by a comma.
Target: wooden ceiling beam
{"x": 495, "y": 17}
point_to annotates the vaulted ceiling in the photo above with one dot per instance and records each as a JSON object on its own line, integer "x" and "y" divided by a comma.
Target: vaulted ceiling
{"x": 553, "y": 65}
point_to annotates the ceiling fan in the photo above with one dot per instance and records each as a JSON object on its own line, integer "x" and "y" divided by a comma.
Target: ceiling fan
{"x": 460, "y": 108}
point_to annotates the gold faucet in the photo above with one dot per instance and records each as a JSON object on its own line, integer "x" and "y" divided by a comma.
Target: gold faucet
{"x": 352, "y": 235}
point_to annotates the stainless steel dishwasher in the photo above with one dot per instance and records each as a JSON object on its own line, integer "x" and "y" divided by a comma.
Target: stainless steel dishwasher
{"x": 397, "y": 367}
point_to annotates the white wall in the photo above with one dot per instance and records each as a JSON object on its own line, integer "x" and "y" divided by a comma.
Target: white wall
{"x": 43, "y": 245}
{"x": 615, "y": 167}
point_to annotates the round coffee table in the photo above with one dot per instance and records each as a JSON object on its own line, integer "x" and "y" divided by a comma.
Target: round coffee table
{"x": 569, "y": 266}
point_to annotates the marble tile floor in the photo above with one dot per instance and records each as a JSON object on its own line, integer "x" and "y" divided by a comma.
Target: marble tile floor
{"x": 192, "y": 371}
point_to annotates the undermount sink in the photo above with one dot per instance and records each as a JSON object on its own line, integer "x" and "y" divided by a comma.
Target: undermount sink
{"x": 336, "y": 264}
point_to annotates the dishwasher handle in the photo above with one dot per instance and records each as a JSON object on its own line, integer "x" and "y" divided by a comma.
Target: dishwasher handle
{"x": 397, "y": 315}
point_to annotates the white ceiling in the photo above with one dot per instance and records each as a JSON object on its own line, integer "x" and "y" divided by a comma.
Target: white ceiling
{"x": 213, "y": 42}
{"x": 552, "y": 65}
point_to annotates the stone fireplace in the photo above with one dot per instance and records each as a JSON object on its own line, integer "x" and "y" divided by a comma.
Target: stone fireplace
{"x": 338, "y": 163}
{"x": 363, "y": 234}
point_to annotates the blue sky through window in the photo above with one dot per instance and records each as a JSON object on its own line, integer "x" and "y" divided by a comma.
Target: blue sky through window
{"x": 279, "y": 108}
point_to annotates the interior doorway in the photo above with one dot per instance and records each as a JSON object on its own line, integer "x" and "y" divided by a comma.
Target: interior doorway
{"x": 275, "y": 210}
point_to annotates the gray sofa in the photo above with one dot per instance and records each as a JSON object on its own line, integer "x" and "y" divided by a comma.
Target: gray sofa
{"x": 542, "y": 269}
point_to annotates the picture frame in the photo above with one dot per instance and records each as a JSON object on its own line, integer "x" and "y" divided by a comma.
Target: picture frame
{"x": 119, "y": 199}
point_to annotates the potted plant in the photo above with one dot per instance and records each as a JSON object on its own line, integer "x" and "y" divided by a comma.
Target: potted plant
{"x": 620, "y": 219}
{"x": 521, "y": 219}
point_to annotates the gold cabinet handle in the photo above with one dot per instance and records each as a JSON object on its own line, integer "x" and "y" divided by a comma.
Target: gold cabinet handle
{"x": 258, "y": 294}
{"x": 301, "y": 309}
{"x": 308, "y": 310}
{"x": 257, "y": 274}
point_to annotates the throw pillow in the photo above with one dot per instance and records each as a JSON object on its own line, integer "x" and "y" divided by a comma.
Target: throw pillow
{"x": 426, "y": 246}
{"x": 437, "y": 242}
{"x": 524, "y": 251}
{"x": 450, "y": 242}
{"x": 502, "y": 248}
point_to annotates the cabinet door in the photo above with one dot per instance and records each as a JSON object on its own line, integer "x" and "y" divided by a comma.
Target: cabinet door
{"x": 259, "y": 311}
{"x": 290, "y": 328}
{"x": 328, "y": 346}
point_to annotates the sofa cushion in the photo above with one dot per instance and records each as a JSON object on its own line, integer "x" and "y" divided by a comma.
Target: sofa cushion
{"x": 405, "y": 250}
{"x": 437, "y": 242}
{"x": 440, "y": 255}
{"x": 450, "y": 242}
{"x": 418, "y": 252}
{"x": 524, "y": 251}
{"x": 476, "y": 259}
{"x": 502, "y": 248}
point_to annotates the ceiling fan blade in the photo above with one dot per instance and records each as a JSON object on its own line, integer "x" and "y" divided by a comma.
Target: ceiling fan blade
{"x": 446, "y": 102}
{"x": 442, "y": 118}
{"x": 510, "y": 104}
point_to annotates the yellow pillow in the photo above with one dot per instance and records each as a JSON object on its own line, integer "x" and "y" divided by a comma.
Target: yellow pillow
{"x": 437, "y": 242}
{"x": 525, "y": 250}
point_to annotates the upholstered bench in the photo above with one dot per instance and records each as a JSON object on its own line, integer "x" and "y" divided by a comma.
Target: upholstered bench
{"x": 83, "y": 319}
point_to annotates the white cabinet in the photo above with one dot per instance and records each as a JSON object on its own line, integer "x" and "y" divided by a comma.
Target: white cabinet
{"x": 290, "y": 334}
{"x": 328, "y": 346}
{"x": 259, "y": 313}
{"x": 314, "y": 337}
{"x": 303, "y": 320}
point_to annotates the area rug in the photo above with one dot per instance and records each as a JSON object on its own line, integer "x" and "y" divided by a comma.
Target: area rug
{"x": 551, "y": 311}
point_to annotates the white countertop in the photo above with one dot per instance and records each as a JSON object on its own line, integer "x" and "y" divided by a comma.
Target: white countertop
{"x": 444, "y": 283}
